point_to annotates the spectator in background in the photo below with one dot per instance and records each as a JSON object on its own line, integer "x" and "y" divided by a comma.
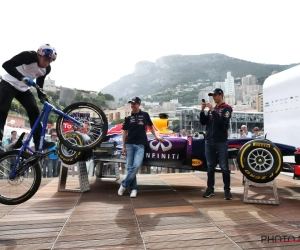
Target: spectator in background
{"x": 9, "y": 143}
{"x": 184, "y": 133}
{"x": 255, "y": 131}
{"x": 244, "y": 133}
{"x": 241, "y": 134}
{"x": 52, "y": 159}
{"x": 196, "y": 135}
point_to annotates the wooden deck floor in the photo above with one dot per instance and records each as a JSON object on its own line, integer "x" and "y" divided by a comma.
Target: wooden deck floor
{"x": 169, "y": 213}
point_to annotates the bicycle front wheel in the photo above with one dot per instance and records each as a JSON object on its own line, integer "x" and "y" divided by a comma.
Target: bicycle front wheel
{"x": 26, "y": 182}
{"x": 94, "y": 131}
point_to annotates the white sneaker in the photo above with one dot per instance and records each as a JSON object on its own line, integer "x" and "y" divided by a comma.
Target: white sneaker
{"x": 121, "y": 190}
{"x": 133, "y": 193}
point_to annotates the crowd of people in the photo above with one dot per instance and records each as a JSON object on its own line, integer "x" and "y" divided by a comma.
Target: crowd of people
{"x": 51, "y": 163}
{"x": 242, "y": 133}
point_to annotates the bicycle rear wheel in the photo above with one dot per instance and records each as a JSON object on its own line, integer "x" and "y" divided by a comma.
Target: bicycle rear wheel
{"x": 95, "y": 126}
{"x": 24, "y": 185}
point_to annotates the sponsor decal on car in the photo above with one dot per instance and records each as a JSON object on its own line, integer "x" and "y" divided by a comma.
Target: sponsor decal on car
{"x": 196, "y": 162}
{"x": 263, "y": 145}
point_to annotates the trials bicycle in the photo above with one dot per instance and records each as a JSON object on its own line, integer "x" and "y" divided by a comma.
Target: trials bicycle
{"x": 80, "y": 127}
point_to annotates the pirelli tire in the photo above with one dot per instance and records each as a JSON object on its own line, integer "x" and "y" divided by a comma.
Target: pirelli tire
{"x": 260, "y": 161}
{"x": 67, "y": 155}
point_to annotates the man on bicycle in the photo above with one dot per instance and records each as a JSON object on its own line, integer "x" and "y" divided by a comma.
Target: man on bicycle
{"x": 21, "y": 70}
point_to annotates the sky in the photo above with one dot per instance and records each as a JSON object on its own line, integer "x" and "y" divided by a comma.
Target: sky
{"x": 99, "y": 41}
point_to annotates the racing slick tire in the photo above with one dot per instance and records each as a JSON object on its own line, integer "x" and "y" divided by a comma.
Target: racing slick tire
{"x": 67, "y": 155}
{"x": 260, "y": 161}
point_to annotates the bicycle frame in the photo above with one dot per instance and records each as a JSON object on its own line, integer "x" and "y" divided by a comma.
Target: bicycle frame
{"x": 47, "y": 108}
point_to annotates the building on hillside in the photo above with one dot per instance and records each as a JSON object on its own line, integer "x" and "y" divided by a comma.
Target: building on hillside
{"x": 260, "y": 102}
{"x": 15, "y": 121}
{"x": 220, "y": 85}
{"x": 249, "y": 80}
{"x": 49, "y": 85}
{"x": 112, "y": 104}
{"x": 171, "y": 105}
{"x": 58, "y": 88}
{"x": 238, "y": 94}
{"x": 174, "y": 101}
{"x": 158, "y": 109}
{"x": 229, "y": 99}
{"x": 150, "y": 104}
{"x": 203, "y": 94}
{"x": 67, "y": 95}
{"x": 94, "y": 93}
{"x": 88, "y": 94}
{"x": 117, "y": 114}
{"x": 229, "y": 86}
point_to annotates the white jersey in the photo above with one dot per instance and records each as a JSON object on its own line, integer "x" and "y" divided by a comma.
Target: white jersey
{"x": 24, "y": 64}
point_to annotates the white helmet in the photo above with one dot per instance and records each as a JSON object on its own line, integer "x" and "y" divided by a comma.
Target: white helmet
{"x": 48, "y": 51}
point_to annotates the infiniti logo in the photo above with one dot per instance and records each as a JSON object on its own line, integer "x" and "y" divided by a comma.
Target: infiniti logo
{"x": 165, "y": 145}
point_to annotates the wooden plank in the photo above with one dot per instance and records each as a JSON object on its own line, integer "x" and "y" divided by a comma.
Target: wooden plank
{"x": 169, "y": 212}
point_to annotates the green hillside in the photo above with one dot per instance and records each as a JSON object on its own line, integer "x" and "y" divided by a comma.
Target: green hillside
{"x": 169, "y": 71}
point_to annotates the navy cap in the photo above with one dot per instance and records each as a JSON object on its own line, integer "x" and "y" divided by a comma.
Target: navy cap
{"x": 216, "y": 91}
{"x": 135, "y": 100}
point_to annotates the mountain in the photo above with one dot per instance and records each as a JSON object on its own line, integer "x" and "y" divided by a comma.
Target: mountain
{"x": 169, "y": 71}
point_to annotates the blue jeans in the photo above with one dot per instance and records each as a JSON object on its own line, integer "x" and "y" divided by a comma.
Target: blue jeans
{"x": 53, "y": 163}
{"x": 217, "y": 151}
{"x": 49, "y": 173}
{"x": 134, "y": 159}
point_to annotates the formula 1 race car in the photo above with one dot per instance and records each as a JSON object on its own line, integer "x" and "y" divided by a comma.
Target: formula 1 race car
{"x": 260, "y": 160}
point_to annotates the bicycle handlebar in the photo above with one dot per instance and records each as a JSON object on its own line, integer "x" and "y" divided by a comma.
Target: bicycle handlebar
{"x": 41, "y": 94}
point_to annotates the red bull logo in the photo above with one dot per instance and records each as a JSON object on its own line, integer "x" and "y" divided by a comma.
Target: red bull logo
{"x": 115, "y": 129}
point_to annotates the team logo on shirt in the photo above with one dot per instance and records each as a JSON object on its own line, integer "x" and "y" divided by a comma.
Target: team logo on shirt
{"x": 141, "y": 123}
{"x": 227, "y": 114}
